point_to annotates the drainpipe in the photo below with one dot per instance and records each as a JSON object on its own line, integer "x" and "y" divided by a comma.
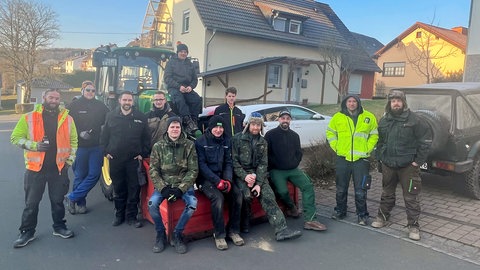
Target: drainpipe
{"x": 204, "y": 83}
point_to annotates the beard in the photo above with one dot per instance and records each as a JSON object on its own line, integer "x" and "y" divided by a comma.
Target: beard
{"x": 397, "y": 111}
{"x": 51, "y": 106}
{"x": 285, "y": 125}
{"x": 126, "y": 107}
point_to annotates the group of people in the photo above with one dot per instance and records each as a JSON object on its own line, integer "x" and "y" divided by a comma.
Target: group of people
{"x": 401, "y": 144}
{"x": 231, "y": 162}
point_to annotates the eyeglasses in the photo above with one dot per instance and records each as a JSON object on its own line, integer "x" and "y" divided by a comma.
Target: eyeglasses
{"x": 90, "y": 90}
{"x": 159, "y": 99}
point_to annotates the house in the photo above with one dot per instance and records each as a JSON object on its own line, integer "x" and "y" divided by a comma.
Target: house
{"x": 472, "y": 63}
{"x": 292, "y": 51}
{"x": 79, "y": 62}
{"x": 422, "y": 54}
{"x": 39, "y": 85}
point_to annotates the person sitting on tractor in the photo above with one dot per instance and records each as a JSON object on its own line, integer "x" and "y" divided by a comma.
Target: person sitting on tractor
{"x": 181, "y": 78}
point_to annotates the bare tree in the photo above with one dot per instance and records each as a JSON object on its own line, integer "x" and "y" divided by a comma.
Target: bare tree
{"x": 427, "y": 55}
{"x": 339, "y": 60}
{"x": 25, "y": 27}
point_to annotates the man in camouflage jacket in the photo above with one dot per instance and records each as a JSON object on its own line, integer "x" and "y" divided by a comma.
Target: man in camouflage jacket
{"x": 173, "y": 170}
{"x": 250, "y": 162}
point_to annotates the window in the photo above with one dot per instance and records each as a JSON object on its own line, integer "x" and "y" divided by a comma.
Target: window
{"x": 419, "y": 34}
{"x": 295, "y": 27}
{"x": 394, "y": 69}
{"x": 279, "y": 24}
{"x": 466, "y": 118}
{"x": 186, "y": 21}
{"x": 274, "y": 76}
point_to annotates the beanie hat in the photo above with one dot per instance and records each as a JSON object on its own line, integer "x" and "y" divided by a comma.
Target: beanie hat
{"x": 256, "y": 118}
{"x": 215, "y": 121}
{"x": 172, "y": 119}
{"x": 181, "y": 47}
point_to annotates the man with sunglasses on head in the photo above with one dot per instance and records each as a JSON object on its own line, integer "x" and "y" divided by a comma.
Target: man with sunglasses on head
{"x": 158, "y": 115}
{"x": 89, "y": 116}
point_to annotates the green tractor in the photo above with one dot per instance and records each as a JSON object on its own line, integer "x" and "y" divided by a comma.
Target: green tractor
{"x": 135, "y": 69}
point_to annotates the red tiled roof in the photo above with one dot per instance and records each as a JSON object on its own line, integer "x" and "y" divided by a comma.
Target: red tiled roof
{"x": 457, "y": 39}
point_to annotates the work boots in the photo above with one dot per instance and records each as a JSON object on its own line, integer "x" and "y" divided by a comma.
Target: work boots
{"x": 159, "y": 245}
{"x": 178, "y": 243}
{"x": 190, "y": 124}
{"x": 287, "y": 234}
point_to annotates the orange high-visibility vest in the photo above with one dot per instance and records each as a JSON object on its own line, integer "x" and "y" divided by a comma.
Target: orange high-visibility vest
{"x": 34, "y": 160}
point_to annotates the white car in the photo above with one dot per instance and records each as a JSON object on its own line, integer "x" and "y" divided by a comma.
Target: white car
{"x": 310, "y": 125}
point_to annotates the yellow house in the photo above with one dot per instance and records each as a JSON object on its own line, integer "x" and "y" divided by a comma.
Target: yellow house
{"x": 422, "y": 54}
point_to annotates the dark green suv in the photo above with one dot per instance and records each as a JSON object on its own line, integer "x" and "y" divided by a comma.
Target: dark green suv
{"x": 452, "y": 110}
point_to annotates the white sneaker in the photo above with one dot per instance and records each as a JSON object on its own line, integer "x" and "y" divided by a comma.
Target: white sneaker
{"x": 414, "y": 233}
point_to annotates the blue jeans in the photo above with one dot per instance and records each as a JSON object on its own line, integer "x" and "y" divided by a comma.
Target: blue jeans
{"x": 87, "y": 169}
{"x": 154, "y": 209}
{"x": 344, "y": 171}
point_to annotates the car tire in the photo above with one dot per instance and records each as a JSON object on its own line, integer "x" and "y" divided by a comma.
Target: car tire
{"x": 472, "y": 180}
{"x": 106, "y": 180}
{"x": 438, "y": 129}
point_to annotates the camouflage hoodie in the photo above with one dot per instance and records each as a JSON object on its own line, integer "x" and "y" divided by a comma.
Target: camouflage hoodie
{"x": 173, "y": 163}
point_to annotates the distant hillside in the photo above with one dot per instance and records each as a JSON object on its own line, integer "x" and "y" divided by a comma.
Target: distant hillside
{"x": 59, "y": 54}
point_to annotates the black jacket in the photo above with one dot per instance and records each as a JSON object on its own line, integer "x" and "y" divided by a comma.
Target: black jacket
{"x": 214, "y": 158}
{"x": 88, "y": 114}
{"x": 284, "y": 150}
{"x": 226, "y": 113}
{"x": 180, "y": 72}
{"x": 402, "y": 139}
{"x": 126, "y": 136}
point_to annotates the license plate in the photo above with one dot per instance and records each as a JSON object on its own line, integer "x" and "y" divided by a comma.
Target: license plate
{"x": 424, "y": 166}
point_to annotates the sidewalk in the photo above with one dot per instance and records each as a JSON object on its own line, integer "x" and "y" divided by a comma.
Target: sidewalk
{"x": 449, "y": 223}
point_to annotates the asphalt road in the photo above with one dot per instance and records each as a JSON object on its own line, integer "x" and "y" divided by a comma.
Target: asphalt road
{"x": 98, "y": 245}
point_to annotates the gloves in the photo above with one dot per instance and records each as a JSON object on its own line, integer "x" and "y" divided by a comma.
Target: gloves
{"x": 177, "y": 193}
{"x": 86, "y": 135}
{"x": 224, "y": 186}
{"x": 42, "y": 147}
{"x": 171, "y": 194}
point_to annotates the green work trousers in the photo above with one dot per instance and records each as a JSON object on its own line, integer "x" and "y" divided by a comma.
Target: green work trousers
{"x": 299, "y": 179}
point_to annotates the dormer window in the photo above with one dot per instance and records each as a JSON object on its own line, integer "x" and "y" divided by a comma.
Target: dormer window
{"x": 287, "y": 25}
{"x": 294, "y": 27}
{"x": 279, "y": 24}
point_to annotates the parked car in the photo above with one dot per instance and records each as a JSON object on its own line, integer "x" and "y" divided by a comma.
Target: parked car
{"x": 452, "y": 111}
{"x": 310, "y": 125}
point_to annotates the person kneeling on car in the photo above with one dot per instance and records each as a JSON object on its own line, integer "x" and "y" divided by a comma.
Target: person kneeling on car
{"x": 215, "y": 181}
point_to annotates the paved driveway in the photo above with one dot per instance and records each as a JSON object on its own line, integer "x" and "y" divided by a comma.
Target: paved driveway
{"x": 450, "y": 221}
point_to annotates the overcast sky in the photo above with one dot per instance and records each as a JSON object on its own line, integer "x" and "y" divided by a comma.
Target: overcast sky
{"x": 91, "y": 23}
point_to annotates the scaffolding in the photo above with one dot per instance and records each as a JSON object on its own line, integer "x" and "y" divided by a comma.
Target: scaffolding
{"x": 157, "y": 30}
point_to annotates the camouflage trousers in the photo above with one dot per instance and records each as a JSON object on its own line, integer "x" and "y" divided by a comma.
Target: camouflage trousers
{"x": 269, "y": 204}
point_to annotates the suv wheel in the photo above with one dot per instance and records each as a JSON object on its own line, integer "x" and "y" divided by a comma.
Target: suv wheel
{"x": 438, "y": 129}
{"x": 472, "y": 181}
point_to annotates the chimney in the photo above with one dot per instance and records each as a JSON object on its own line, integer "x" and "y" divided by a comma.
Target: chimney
{"x": 460, "y": 29}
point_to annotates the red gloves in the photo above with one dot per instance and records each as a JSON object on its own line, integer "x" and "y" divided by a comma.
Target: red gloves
{"x": 224, "y": 186}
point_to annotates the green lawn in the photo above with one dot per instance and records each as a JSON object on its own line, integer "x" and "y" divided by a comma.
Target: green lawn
{"x": 375, "y": 106}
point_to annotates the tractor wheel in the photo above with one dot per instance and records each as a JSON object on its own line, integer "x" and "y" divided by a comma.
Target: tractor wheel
{"x": 106, "y": 180}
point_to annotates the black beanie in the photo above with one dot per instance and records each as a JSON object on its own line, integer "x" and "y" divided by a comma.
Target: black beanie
{"x": 182, "y": 46}
{"x": 174, "y": 119}
{"x": 216, "y": 121}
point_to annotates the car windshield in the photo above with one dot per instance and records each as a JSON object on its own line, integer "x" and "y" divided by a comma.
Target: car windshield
{"x": 441, "y": 104}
